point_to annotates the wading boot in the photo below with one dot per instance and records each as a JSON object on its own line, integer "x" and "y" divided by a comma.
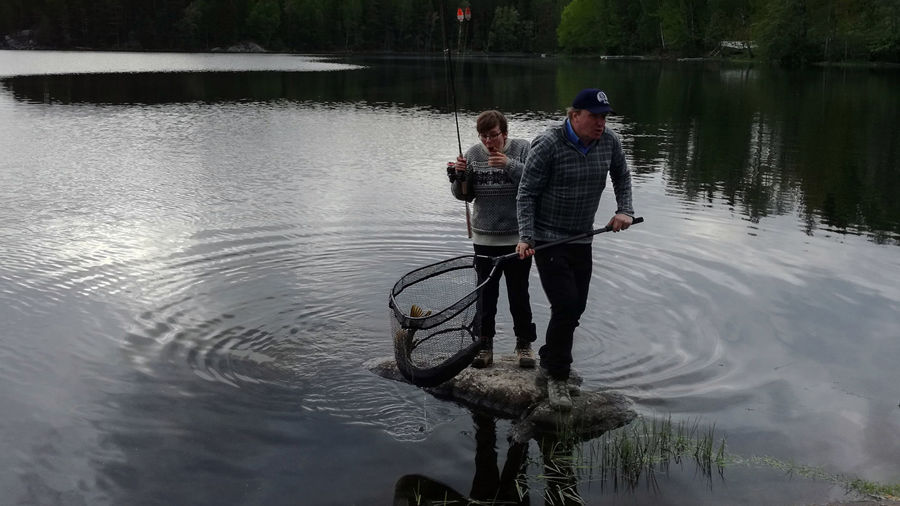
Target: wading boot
{"x": 524, "y": 337}
{"x": 540, "y": 380}
{"x": 525, "y": 356}
{"x": 558, "y": 393}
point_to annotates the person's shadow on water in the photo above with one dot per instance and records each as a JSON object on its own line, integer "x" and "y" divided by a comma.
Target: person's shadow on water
{"x": 494, "y": 486}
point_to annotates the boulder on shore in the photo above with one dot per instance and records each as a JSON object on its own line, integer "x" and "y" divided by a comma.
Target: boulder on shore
{"x": 241, "y": 47}
{"x": 508, "y": 391}
{"x": 23, "y": 39}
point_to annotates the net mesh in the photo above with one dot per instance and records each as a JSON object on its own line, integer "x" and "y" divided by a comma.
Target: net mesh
{"x": 433, "y": 312}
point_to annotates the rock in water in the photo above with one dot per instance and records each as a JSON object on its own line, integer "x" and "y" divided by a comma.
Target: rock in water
{"x": 508, "y": 391}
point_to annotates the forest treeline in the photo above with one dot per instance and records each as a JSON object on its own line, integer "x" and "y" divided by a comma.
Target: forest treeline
{"x": 784, "y": 31}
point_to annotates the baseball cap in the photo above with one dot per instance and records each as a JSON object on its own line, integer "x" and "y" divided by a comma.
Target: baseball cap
{"x": 593, "y": 100}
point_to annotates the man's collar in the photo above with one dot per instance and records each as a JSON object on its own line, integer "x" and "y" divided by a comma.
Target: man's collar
{"x": 573, "y": 137}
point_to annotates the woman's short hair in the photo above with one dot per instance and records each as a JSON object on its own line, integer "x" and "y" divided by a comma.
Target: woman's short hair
{"x": 488, "y": 120}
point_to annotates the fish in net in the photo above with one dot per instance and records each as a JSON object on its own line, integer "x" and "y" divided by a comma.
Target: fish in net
{"x": 433, "y": 319}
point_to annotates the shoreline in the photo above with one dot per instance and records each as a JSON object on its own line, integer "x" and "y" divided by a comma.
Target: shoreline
{"x": 252, "y": 48}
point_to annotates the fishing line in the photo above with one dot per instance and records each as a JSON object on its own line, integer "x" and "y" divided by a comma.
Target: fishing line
{"x": 451, "y": 85}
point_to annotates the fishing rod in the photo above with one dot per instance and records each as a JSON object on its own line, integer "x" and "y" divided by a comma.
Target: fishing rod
{"x": 451, "y": 89}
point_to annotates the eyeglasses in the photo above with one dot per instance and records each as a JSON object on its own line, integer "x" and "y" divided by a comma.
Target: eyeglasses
{"x": 489, "y": 137}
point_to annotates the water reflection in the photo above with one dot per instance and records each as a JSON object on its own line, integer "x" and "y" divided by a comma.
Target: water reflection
{"x": 19, "y": 63}
{"x": 818, "y": 144}
{"x": 492, "y": 484}
{"x": 624, "y": 465}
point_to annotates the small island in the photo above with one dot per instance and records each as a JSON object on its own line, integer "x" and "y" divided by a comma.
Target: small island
{"x": 507, "y": 391}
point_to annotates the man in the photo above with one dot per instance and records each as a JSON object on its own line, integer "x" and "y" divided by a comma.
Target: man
{"x": 565, "y": 174}
{"x": 490, "y": 172}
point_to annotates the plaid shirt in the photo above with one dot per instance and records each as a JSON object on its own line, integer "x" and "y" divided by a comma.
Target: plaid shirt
{"x": 560, "y": 188}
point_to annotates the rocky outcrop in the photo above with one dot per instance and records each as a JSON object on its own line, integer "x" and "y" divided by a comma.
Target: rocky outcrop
{"x": 23, "y": 39}
{"x": 508, "y": 391}
{"x": 241, "y": 47}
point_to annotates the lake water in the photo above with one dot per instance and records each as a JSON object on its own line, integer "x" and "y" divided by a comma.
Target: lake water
{"x": 197, "y": 252}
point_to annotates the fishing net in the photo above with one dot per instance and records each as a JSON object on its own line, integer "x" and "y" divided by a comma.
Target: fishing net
{"x": 433, "y": 320}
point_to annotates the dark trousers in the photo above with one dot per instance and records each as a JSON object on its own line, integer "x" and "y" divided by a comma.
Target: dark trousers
{"x": 516, "y": 273}
{"x": 565, "y": 272}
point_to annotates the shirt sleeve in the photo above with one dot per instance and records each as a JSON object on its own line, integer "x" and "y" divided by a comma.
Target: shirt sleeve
{"x": 621, "y": 179}
{"x": 516, "y": 164}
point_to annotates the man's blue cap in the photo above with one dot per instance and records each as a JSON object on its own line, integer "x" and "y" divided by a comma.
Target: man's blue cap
{"x": 593, "y": 100}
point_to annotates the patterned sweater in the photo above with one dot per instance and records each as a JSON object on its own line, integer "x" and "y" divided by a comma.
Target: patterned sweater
{"x": 560, "y": 188}
{"x": 494, "y": 189}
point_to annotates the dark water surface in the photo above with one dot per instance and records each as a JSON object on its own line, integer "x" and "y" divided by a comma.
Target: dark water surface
{"x": 197, "y": 250}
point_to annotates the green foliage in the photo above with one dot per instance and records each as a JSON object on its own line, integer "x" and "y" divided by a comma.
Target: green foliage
{"x": 545, "y": 15}
{"x": 505, "y": 30}
{"x": 304, "y": 24}
{"x": 578, "y": 26}
{"x": 782, "y": 33}
{"x": 351, "y": 21}
{"x": 790, "y": 32}
{"x": 609, "y": 26}
{"x": 683, "y": 25}
{"x": 641, "y": 34}
{"x": 728, "y": 20}
{"x": 264, "y": 20}
{"x": 842, "y": 30}
{"x": 883, "y": 34}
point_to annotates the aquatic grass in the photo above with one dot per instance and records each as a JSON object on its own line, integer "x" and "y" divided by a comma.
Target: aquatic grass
{"x": 636, "y": 453}
{"x": 644, "y": 448}
{"x": 889, "y": 492}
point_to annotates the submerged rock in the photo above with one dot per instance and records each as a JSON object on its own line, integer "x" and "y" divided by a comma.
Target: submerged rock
{"x": 508, "y": 391}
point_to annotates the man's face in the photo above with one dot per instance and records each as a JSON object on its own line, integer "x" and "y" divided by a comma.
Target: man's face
{"x": 493, "y": 139}
{"x": 588, "y": 125}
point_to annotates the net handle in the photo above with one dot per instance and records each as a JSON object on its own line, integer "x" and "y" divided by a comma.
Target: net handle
{"x": 583, "y": 235}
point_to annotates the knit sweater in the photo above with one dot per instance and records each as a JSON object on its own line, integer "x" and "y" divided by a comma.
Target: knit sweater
{"x": 494, "y": 190}
{"x": 560, "y": 187}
